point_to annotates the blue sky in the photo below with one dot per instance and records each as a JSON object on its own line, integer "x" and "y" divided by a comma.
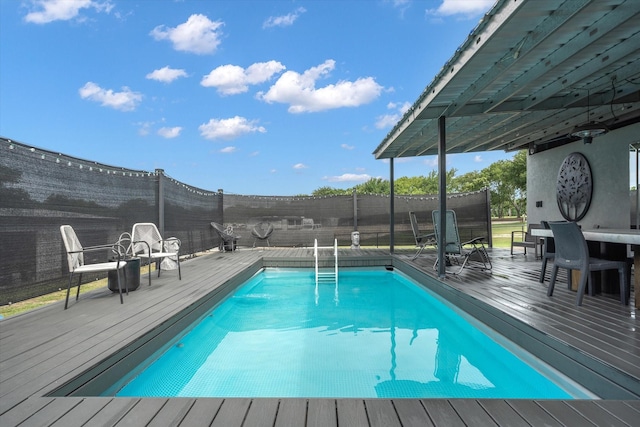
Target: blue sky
{"x": 252, "y": 97}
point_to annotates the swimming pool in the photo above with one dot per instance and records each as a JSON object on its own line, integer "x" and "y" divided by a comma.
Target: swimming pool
{"x": 377, "y": 334}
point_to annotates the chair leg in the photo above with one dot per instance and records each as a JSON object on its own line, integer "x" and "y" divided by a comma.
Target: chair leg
{"x": 149, "y": 271}
{"x": 78, "y": 291}
{"x": 544, "y": 268}
{"x": 584, "y": 277}
{"x": 126, "y": 283}
{"x": 179, "y": 272}
{"x": 622, "y": 272}
{"x": 118, "y": 280}
{"x": 66, "y": 303}
{"x": 552, "y": 283}
{"x": 418, "y": 253}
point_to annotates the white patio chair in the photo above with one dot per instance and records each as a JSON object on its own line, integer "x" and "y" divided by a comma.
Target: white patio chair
{"x": 148, "y": 243}
{"x": 76, "y": 262}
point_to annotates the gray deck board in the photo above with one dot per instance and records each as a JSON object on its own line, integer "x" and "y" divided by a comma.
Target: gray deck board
{"x": 80, "y": 414}
{"x": 262, "y": 412}
{"x": 202, "y": 412}
{"x": 45, "y": 348}
{"x": 411, "y": 413}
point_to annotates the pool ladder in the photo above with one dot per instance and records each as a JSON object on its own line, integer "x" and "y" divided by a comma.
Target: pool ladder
{"x": 326, "y": 276}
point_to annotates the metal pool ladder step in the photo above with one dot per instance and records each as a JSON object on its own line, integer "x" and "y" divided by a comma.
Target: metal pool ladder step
{"x": 326, "y": 275}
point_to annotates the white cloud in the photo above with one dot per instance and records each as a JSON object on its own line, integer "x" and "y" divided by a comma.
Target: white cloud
{"x": 347, "y": 147}
{"x": 233, "y": 79}
{"x": 231, "y": 128}
{"x": 348, "y": 177}
{"x": 469, "y": 8}
{"x": 300, "y": 166}
{"x": 62, "y": 10}
{"x": 285, "y": 20}
{"x": 300, "y": 92}
{"x": 198, "y": 35}
{"x": 169, "y": 133}
{"x": 166, "y": 74}
{"x": 389, "y": 120}
{"x": 127, "y": 100}
{"x": 228, "y": 150}
{"x": 478, "y": 158}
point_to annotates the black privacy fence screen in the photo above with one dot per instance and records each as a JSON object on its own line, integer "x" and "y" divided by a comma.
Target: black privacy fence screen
{"x": 41, "y": 190}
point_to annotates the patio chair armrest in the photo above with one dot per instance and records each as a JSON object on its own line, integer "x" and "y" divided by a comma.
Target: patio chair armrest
{"x": 523, "y": 234}
{"x": 114, "y": 247}
{"x": 475, "y": 241}
{"x": 427, "y": 237}
{"x": 133, "y": 247}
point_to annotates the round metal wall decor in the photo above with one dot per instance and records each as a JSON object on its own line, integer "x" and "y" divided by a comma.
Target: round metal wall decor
{"x": 575, "y": 187}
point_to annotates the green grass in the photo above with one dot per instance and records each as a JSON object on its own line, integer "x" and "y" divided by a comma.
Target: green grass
{"x": 501, "y": 239}
{"x": 501, "y": 232}
{"x": 41, "y": 301}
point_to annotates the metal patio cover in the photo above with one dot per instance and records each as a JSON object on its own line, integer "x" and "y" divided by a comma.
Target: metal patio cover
{"x": 529, "y": 73}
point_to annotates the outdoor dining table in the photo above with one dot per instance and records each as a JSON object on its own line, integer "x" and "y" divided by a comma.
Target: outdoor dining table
{"x": 613, "y": 236}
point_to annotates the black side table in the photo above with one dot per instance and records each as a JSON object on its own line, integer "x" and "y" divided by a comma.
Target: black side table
{"x": 132, "y": 270}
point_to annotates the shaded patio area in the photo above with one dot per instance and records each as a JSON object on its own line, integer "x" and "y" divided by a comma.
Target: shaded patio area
{"x": 44, "y": 349}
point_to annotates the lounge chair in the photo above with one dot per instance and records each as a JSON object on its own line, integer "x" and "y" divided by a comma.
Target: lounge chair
{"x": 455, "y": 250}
{"x": 228, "y": 240}
{"x": 262, "y": 231}
{"x": 421, "y": 240}
{"x": 572, "y": 253}
{"x": 148, "y": 243}
{"x": 76, "y": 261}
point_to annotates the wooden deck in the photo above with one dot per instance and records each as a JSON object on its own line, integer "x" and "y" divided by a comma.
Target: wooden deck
{"x": 42, "y": 350}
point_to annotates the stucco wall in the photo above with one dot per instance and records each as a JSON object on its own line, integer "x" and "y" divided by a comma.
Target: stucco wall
{"x": 608, "y": 158}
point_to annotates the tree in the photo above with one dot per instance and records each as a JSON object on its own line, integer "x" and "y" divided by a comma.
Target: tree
{"x": 506, "y": 180}
{"x": 374, "y": 186}
{"x": 330, "y": 191}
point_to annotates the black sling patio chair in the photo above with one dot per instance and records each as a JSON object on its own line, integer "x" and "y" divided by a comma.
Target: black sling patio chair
{"x": 262, "y": 231}
{"x": 421, "y": 240}
{"x": 460, "y": 252}
{"x": 228, "y": 239}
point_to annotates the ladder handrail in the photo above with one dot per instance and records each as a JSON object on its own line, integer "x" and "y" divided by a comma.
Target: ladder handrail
{"x": 335, "y": 267}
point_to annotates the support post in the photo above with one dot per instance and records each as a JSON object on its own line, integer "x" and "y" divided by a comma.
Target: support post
{"x": 392, "y": 208}
{"x": 160, "y": 175}
{"x": 442, "y": 195}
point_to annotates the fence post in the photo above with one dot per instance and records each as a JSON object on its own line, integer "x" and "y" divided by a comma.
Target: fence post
{"x": 355, "y": 210}
{"x": 221, "y": 205}
{"x": 160, "y": 175}
{"x": 487, "y": 192}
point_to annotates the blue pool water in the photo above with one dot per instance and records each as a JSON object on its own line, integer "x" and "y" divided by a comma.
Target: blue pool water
{"x": 377, "y": 334}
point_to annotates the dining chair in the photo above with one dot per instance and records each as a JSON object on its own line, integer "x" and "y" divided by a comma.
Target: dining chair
{"x": 76, "y": 260}
{"x": 572, "y": 253}
{"x": 548, "y": 251}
